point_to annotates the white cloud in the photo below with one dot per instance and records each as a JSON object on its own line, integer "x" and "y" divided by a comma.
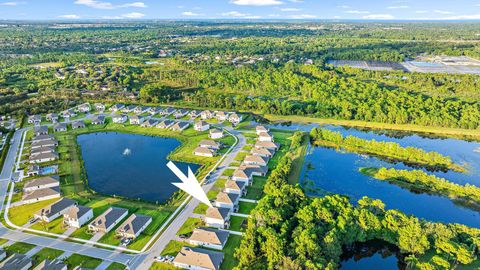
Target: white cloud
{"x": 256, "y": 2}
{"x": 290, "y": 9}
{"x": 69, "y": 16}
{"x": 357, "y": 12}
{"x": 463, "y": 17}
{"x": 442, "y": 11}
{"x": 234, "y": 14}
{"x": 107, "y": 5}
{"x": 133, "y": 15}
{"x": 398, "y": 7}
{"x": 303, "y": 16}
{"x": 378, "y": 17}
{"x": 12, "y": 4}
{"x": 189, "y": 13}
{"x": 421, "y": 11}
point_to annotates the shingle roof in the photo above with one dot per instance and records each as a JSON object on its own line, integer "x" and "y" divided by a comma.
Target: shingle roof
{"x": 199, "y": 257}
{"x": 50, "y": 265}
{"x": 227, "y": 197}
{"x": 16, "y": 262}
{"x": 77, "y": 211}
{"x": 108, "y": 217}
{"x": 236, "y": 185}
{"x": 217, "y": 213}
{"x": 56, "y": 207}
{"x": 209, "y": 236}
{"x": 54, "y": 179}
{"x": 40, "y": 193}
{"x": 203, "y": 150}
{"x": 134, "y": 223}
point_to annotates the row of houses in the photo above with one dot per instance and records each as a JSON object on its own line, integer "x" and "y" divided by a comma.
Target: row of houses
{"x": 18, "y": 261}
{"x": 67, "y": 114}
{"x": 76, "y": 216}
{"x": 226, "y": 202}
{"x": 42, "y": 146}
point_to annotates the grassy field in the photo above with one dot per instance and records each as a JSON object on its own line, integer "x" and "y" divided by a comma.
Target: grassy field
{"x": 229, "y": 261}
{"x": 46, "y": 253}
{"x": 189, "y": 226}
{"x": 20, "y": 215}
{"x": 162, "y": 266}
{"x": 116, "y": 266}
{"x": 450, "y": 132}
{"x": 298, "y": 158}
{"x": 56, "y": 226}
{"x": 237, "y": 223}
{"x": 246, "y": 207}
{"x": 83, "y": 261}
{"x": 19, "y": 247}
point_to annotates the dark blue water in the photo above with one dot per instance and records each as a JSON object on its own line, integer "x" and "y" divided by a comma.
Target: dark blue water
{"x": 141, "y": 175}
{"x": 337, "y": 172}
{"x": 375, "y": 262}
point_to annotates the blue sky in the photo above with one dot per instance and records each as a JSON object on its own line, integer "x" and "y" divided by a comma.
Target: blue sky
{"x": 241, "y": 9}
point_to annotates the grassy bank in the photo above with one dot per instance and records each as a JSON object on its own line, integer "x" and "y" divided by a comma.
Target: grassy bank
{"x": 440, "y": 131}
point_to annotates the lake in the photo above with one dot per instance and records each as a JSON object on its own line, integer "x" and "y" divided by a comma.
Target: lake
{"x": 130, "y": 165}
{"x": 372, "y": 255}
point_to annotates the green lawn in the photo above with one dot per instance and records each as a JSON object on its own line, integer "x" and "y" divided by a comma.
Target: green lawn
{"x": 189, "y": 226}
{"x": 237, "y": 223}
{"x": 83, "y": 261}
{"x": 255, "y": 191}
{"x": 20, "y": 215}
{"x": 81, "y": 233}
{"x": 19, "y": 247}
{"x": 246, "y": 207}
{"x": 55, "y": 226}
{"x": 241, "y": 156}
{"x": 172, "y": 248}
{"x": 229, "y": 261}
{"x": 116, "y": 266}
{"x": 228, "y": 172}
{"x": 46, "y": 253}
{"x": 162, "y": 266}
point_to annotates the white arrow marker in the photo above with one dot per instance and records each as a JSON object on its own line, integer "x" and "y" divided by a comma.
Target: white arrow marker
{"x": 189, "y": 184}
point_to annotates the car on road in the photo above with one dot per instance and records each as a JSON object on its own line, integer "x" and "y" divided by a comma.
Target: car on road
{"x": 159, "y": 258}
{"x": 169, "y": 258}
{"x": 126, "y": 241}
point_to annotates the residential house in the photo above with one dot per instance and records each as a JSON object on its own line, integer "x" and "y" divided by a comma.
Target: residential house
{"x": 78, "y": 124}
{"x": 206, "y": 115}
{"x": 41, "y": 150}
{"x": 99, "y": 107}
{"x": 168, "y": 111}
{"x": 35, "y": 119}
{"x": 149, "y": 123}
{"x": 77, "y": 215}
{"x": 221, "y": 116}
{"x": 42, "y": 158}
{"x": 52, "y": 117}
{"x": 55, "y": 210}
{"x": 215, "y": 134}
{"x": 42, "y": 138}
{"x": 155, "y": 110}
{"x": 235, "y": 118}
{"x": 129, "y": 108}
{"x": 265, "y": 137}
{"x": 51, "y": 265}
{"x": 68, "y": 113}
{"x": 136, "y": 120}
{"x": 165, "y": 124}
{"x": 245, "y": 173}
{"x": 261, "y": 129}
{"x": 180, "y": 126}
{"x": 227, "y": 200}
{"x": 119, "y": 118}
{"x": 201, "y": 126}
{"x": 105, "y": 222}
{"x": 209, "y": 238}
{"x": 134, "y": 226}
{"x": 204, "y": 152}
{"x": 180, "y": 113}
{"x": 84, "y": 108}
{"x": 60, "y": 127}
{"x": 140, "y": 109}
{"x": 268, "y": 145}
{"x": 236, "y": 187}
{"x": 40, "y": 130}
{"x": 16, "y": 261}
{"x": 218, "y": 217}
{"x": 194, "y": 114}
{"x": 43, "y": 143}
{"x": 198, "y": 259}
{"x": 41, "y": 195}
{"x": 117, "y": 107}
{"x": 41, "y": 183}
{"x": 262, "y": 152}
{"x": 98, "y": 120}
{"x": 209, "y": 144}
{"x": 255, "y": 160}
{"x": 33, "y": 170}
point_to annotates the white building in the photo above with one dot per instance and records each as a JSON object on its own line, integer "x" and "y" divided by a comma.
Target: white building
{"x": 209, "y": 238}
{"x": 201, "y": 126}
{"x": 77, "y": 216}
{"x": 215, "y": 134}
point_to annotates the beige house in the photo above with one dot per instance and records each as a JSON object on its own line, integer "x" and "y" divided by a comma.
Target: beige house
{"x": 209, "y": 238}
{"x": 209, "y": 144}
{"x": 235, "y": 187}
{"x": 227, "y": 200}
{"x": 41, "y": 183}
{"x": 77, "y": 215}
{"x": 268, "y": 145}
{"x": 198, "y": 259}
{"x": 201, "y": 126}
{"x": 204, "y": 152}
{"x": 255, "y": 160}
{"x": 55, "y": 210}
{"x": 215, "y": 134}
{"x": 265, "y": 137}
{"x": 134, "y": 226}
{"x": 218, "y": 217}
{"x": 261, "y": 129}
{"x": 262, "y": 152}
{"x": 39, "y": 195}
{"x": 106, "y": 221}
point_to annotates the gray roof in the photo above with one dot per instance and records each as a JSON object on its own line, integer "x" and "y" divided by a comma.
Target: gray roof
{"x": 60, "y": 126}
{"x": 134, "y": 223}
{"x": 54, "y": 179}
{"x": 47, "y": 142}
{"x": 210, "y": 236}
{"x": 15, "y": 262}
{"x": 50, "y": 265}
{"x": 199, "y": 257}
{"x": 78, "y": 124}
{"x": 217, "y": 213}
{"x": 108, "y": 217}
{"x": 119, "y": 116}
{"x": 42, "y": 156}
{"x": 40, "y": 129}
{"x": 44, "y": 149}
{"x": 56, "y": 207}
{"x": 98, "y": 118}
{"x": 77, "y": 211}
{"x": 41, "y": 193}
{"x": 42, "y": 138}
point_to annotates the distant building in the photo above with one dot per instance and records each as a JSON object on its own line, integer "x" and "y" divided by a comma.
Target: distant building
{"x": 149, "y": 123}
{"x": 201, "y": 126}
{"x": 117, "y": 107}
{"x": 235, "y": 118}
{"x": 204, "y": 152}
{"x": 78, "y": 124}
{"x": 60, "y": 127}
{"x": 180, "y": 126}
{"x": 235, "y": 187}
{"x": 136, "y": 120}
{"x": 261, "y": 129}
{"x": 43, "y": 157}
{"x": 35, "y": 119}
{"x": 255, "y": 160}
{"x": 165, "y": 124}
{"x": 268, "y": 145}
{"x": 98, "y": 120}
{"x": 194, "y": 114}
{"x": 119, "y": 119}
{"x": 265, "y": 137}
{"x": 215, "y": 134}
{"x": 40, "y": 130}
{"x": 209, "y": 144}
{"x": 99, "y": 107}
{"x": 52, "y": 117}
{"x": 206, "y": 115}
{"x": 84, "y": 108}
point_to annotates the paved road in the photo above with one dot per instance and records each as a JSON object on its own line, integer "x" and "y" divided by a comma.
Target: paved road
{"x": 144, "y": 261}
{"x": 42, "y": 241}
